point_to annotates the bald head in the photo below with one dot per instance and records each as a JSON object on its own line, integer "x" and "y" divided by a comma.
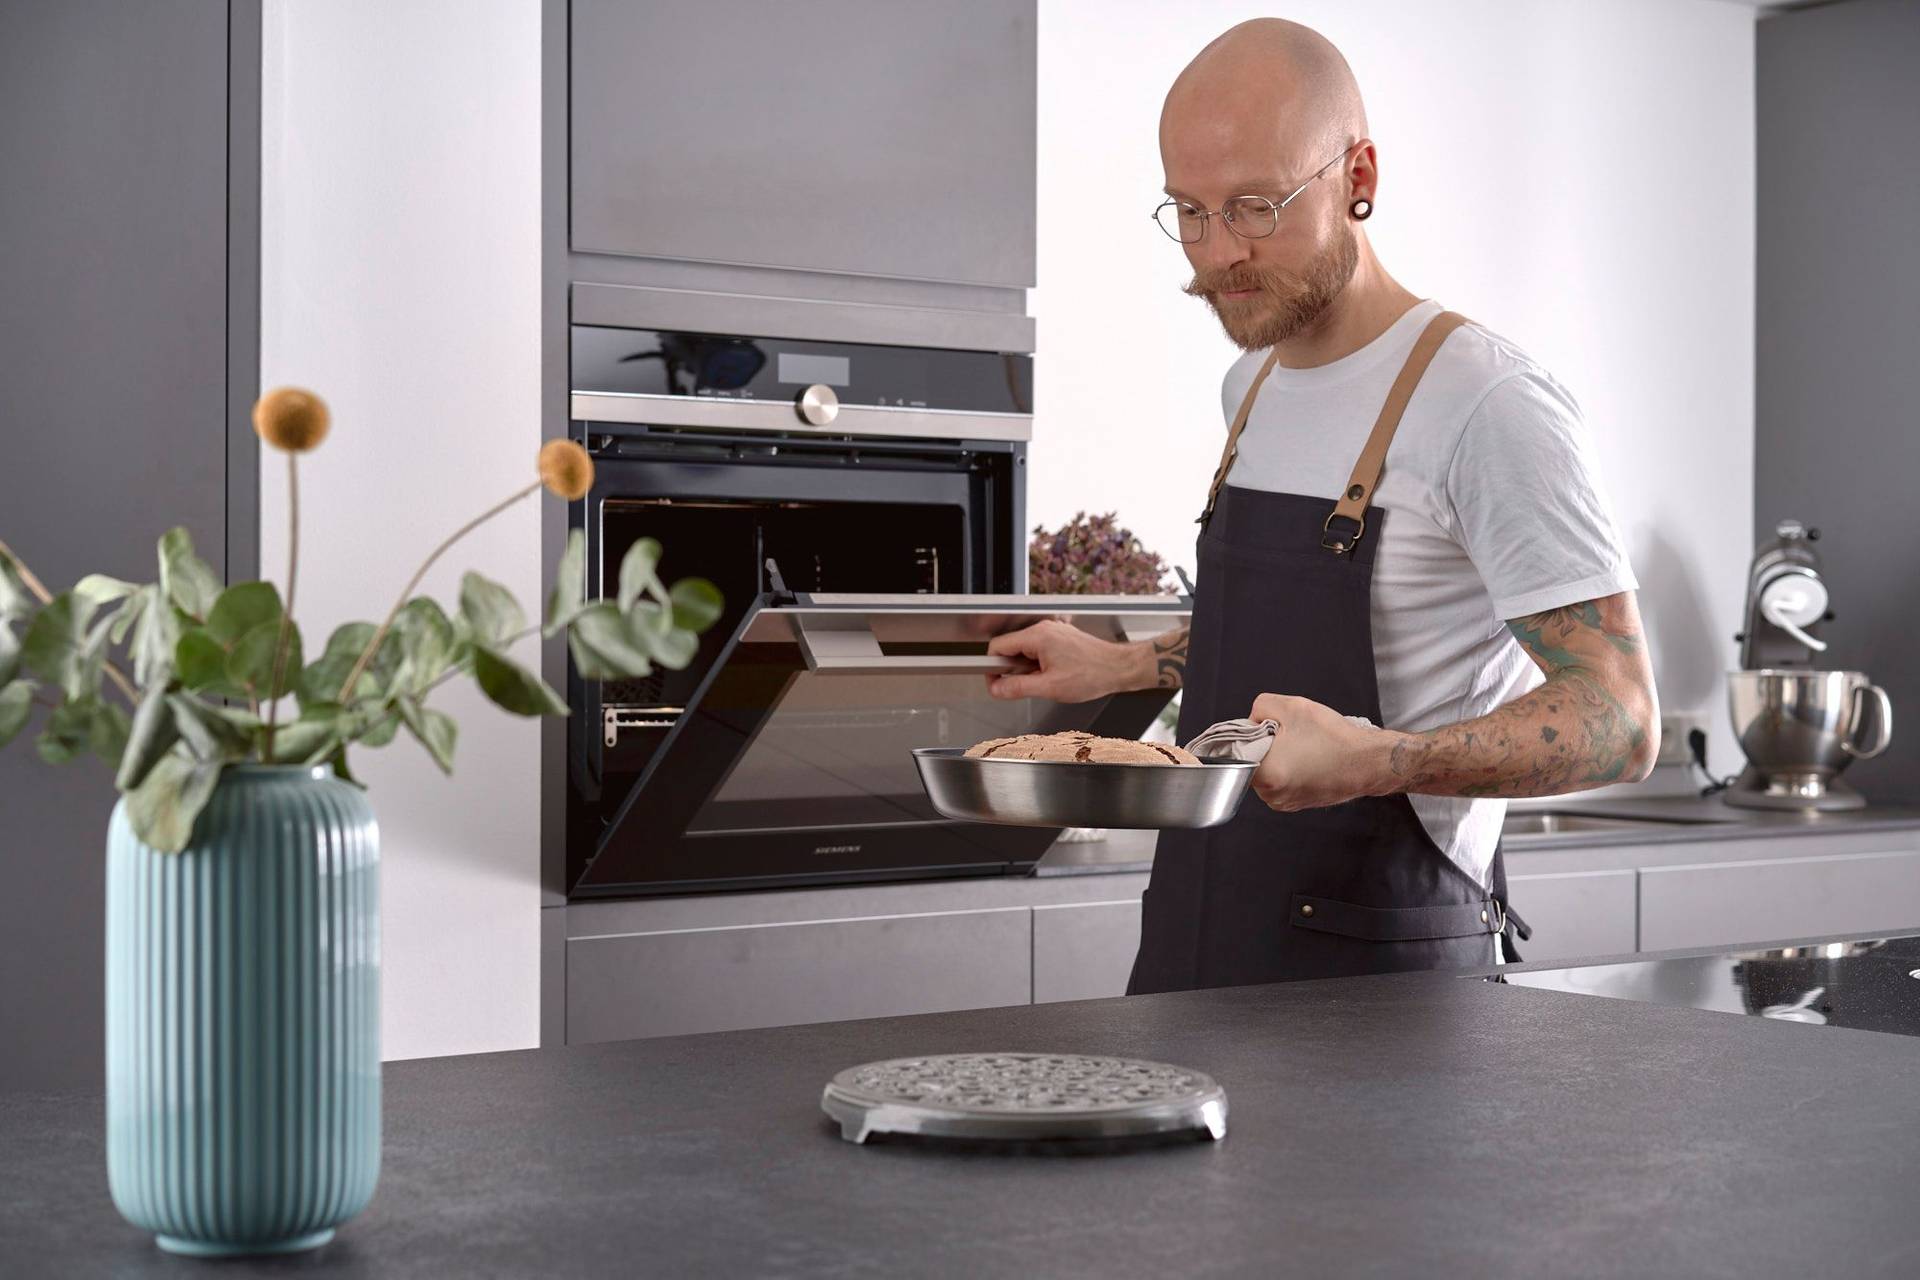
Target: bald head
{"x": 1267, "y": 93}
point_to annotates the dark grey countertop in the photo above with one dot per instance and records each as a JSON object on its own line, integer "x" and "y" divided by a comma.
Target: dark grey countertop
{"x": 1680, "y": 819}
{"x": 1414, "y": 1124}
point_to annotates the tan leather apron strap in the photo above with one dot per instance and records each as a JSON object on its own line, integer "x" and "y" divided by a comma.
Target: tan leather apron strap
{"x": 1232, "y": 450}
{"x": 1366, "y": 472}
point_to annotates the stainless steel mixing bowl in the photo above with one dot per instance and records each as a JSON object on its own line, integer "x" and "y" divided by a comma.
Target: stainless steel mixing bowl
{"x": 1800, "y": 728}
{"x": 1046, "y": 793}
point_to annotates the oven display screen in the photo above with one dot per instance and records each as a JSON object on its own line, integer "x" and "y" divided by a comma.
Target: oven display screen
{"x": 806, "y": 370}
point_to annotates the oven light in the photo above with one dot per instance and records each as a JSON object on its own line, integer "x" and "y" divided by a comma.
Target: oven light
{"x": 1835, "y": 950}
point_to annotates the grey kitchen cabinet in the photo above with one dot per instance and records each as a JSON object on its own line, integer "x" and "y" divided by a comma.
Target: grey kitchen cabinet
{"x": 1084, "y": 950}
{"x": 1710, "y": 904}
{"x": 1577, "y": 913}
{"x": 129, "y": 356}
{"x": 837, "y": 135}
{"x": 680, "y": 981}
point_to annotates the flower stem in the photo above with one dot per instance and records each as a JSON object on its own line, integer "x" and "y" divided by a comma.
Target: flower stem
{"x": 406, "y": 593}
{"x": 39, "y": 589}
{"x": 286, "y": 611}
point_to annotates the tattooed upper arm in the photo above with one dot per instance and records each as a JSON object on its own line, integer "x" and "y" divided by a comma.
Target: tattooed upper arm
{"x": 1598, "y": 645}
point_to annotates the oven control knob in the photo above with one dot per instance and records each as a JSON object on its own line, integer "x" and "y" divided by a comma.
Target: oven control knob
{"x": 818, "y": 405}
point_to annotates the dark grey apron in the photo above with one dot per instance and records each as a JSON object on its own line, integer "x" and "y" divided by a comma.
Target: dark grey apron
{"x": 1283, "y": 605}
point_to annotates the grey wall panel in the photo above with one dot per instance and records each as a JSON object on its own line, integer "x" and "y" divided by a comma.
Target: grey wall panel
{"x": 115, "y": 407}
{"x": 1084, "y": 951}
{"x": 1582, "y": 913}
{"x": 1745, "y": 902}
{"x": 836, "y": 135}
{"x": 1838, "y": 385}
{"x": 660, "y": 984}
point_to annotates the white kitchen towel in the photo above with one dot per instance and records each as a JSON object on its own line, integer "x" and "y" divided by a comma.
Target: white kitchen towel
{"x": 1243, "y": 739}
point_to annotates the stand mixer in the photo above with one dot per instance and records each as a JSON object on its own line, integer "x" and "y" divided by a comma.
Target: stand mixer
{"x": 1799, "y": 725}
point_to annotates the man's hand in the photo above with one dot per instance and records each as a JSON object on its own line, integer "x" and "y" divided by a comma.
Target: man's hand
{"x": 1072, "y": 666}
{"x": 1318, "y": 756}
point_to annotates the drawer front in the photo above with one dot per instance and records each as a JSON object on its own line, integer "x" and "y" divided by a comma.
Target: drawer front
{"x": 1577, "y": 913}
{"x": 1085, "y": 950}
{"x": 673, "y": 983}
{"x": 1744, "y": 902}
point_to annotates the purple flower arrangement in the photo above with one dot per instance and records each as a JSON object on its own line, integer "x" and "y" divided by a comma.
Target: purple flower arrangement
{"x": 1092, "y": 555}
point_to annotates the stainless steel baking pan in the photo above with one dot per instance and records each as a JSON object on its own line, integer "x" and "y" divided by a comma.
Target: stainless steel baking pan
{"x": 1046, "y": 793}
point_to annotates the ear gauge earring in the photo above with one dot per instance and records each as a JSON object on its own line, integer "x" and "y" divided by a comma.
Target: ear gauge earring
{"x": 1361, "y": 210}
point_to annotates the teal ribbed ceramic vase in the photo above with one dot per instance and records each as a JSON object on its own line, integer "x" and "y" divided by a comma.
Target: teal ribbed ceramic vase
{"x": 243, "y": 1019}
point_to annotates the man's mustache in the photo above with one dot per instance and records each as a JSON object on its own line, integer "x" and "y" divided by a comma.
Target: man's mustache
{"x": 1205, "y": 284}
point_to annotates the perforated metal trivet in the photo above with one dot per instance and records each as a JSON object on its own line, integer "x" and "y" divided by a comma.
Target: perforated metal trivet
{"x": 1024, "y": 1097}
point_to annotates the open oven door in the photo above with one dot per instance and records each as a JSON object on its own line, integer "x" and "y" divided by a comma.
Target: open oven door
{"x": 791, "y": 763}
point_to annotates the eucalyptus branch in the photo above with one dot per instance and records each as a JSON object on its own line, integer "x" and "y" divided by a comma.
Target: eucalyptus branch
{"x": 33, "y": 584}
{"x": 286, "y": 611}
{"x": 460, "y": 668}
{"x": 406, "y": 593}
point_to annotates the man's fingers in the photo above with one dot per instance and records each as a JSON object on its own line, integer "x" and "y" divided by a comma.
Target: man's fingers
{"x": 1269, "y": 706}
{"x": 1015, "y": 644}
{"x": 1015, "y": 686}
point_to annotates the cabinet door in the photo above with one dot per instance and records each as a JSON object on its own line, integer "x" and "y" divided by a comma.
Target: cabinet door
{"x": 1770, "y": 901}
{"x": 835, "y": 135}
{"x": 1580, "y": 913}
{"x": 1084, "y": 950}
{"x": 628, "y": 986}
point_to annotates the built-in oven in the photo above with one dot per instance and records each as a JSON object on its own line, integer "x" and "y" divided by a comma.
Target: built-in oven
{"x": 861, "y": 508}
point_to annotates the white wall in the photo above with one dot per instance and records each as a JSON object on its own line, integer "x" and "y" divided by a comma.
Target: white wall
{"x": 400, "y": 279}
{"x": 1577, "y": 174}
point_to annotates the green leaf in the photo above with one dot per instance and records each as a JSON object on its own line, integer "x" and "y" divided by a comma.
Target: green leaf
{"x": 636, "y": 572}
{"x": 152, "y": 735}
{"x": 15, "y": 600}
{"x": 649, "y": 620}
{"x": 210, "y": 731}
{"x": 9, "y": 654}
{"x": 52, "y": 641}
{"x": 16, "y": 704}
{"x": 107, "y": 732}
{"x": 339, "y": 762}
{"x": 185, "y": 579}
{"x": 68, "y": 730}
{"x": 304, "y": 738}
{"x": 435, "y": 730}
{"x": 697, "y": 604}
{"x": 250, "y": 664}
{"x": 605, "y": 646}
{"x": 512, "y": 687}
{"x": 200, "y": 662}
{"x": 675, "y": 649}
{"x": 426, "y": 643}
{"x": 382, "y": 726}
{"x": 569, "y": 594}
{"x": 137, "y": 604}
{"x": 163, "y": 809}
{"x": 490, "y": 609}
{"x": 240, "y": 609}
{"x": 156, "y": 631}
{"x": 321, "y": 682}
{"x": 101, "y": 589}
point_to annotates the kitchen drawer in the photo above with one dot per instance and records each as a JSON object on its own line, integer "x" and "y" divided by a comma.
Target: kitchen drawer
{"x": 1084, "y": 950}
{"x": 1742, "y": 902}
{"x": 626, "y": 986}
{"x": 1578, "y": 913}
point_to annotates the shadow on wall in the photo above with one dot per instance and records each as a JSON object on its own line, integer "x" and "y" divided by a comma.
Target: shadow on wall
{"x": 1680, "y": 632}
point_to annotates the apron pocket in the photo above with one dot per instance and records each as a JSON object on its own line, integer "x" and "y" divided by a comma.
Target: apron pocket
{"x": 1392, "y": 924}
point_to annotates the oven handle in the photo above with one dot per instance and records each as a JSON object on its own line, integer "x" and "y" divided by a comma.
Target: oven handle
{"x": 847, "y": 646}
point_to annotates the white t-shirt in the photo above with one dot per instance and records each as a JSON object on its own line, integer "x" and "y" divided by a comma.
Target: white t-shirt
{"x": 1495, "y": 513}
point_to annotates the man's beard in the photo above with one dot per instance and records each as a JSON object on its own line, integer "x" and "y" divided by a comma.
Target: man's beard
{"x": 1287, "y": 304}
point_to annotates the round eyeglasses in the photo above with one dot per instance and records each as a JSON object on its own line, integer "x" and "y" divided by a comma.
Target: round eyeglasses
{"x": 1249, "y": 217}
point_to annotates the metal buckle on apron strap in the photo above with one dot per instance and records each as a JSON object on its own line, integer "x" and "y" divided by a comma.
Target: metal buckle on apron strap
{"x": 1340, "y": 544}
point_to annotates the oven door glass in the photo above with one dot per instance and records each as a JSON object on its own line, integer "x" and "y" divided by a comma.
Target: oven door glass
{"x": 793, "y": 763}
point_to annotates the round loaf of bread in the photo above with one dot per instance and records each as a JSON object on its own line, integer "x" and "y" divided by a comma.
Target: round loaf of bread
{"x": 1078, "y": 747}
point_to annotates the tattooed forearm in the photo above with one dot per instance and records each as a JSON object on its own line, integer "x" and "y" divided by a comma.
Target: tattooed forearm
{"x": 1170, "y": 659}
{"x": 1593, "y": 722}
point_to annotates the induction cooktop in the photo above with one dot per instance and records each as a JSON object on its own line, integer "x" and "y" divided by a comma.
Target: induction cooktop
{"x": 1872, "y": 985}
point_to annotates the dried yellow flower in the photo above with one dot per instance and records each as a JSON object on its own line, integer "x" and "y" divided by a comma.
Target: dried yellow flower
{"x": 291, "y": 419}
{"x": 565, "y": 469}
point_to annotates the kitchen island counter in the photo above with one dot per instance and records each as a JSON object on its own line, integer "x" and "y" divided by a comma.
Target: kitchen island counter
{"x": 1410, "y": 1124}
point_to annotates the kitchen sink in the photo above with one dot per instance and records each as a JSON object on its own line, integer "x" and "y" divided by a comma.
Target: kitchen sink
{"x": 1541, "y": 822}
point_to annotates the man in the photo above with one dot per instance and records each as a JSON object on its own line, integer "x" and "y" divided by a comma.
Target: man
{"x": 1320, "y": 599}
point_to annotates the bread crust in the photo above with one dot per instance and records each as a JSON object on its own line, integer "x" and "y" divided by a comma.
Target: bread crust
{"x": 1078, "y": 747}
